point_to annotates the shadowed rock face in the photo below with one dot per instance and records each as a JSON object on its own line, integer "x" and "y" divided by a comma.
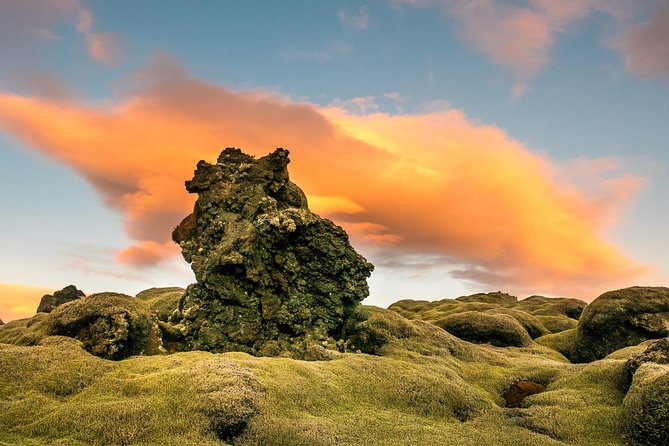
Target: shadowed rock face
{"x": 67, "y": 294}
{"x": 273, "y": 277}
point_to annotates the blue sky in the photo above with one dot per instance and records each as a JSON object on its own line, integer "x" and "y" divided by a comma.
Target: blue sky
{"x": 579, "y": 86}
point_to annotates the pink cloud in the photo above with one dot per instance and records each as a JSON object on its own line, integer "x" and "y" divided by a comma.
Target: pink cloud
{"x": 517, "y": 36}
{"x": 644, "y": 45}
{"x": 22, "y": 21}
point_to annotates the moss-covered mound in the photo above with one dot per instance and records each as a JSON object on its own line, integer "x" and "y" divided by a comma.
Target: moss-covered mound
{"x": 562, "y": 341}
{"x": 423, "y": 386}
{"x": 537, "y": 315}
{"x": 58, "y": 394}
{"x": 109, "y": 325}
{"x": 621, "y": 318}
{"x": 646, "y": 406}
{"x": 162, "y": 301}
{"x": 496, "y": 329}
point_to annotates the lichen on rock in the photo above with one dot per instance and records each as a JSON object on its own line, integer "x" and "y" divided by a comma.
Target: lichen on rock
{"x": 273, "y": 278}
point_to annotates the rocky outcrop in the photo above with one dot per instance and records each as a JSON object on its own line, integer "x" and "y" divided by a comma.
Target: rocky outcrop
{"x": 619, "y": 319}
{"x": 67, "y": 294}
{"x": 657, "y": 352}
{"x": 273, "y": 278}
{"x": 109, "y": 325}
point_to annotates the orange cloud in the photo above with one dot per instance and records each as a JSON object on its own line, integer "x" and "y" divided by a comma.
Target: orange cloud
{"x": 18, "y": 301}
{"x": 433, "y": 185}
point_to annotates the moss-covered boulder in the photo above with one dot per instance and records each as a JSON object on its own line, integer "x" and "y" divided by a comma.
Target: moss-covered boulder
{"x": 496, "y": 329}
{"x": 110, "y": 325}
{"x": 619, "y": 319}
{"x": 646, "y": 406}
{"x": 530, "y": 323}
{"x": 67, "y": 294}
{"x": 273, "y": 278}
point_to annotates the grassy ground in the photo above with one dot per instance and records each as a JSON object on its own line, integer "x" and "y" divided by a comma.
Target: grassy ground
{"x": 426, "y": 387}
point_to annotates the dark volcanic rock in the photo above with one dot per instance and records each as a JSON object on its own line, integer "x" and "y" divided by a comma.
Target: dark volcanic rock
{"x": 1, "y": 322}
{"x": 273, "y": 278}
{"x": 67, "y": 294}
{"x": 619, "y": 319}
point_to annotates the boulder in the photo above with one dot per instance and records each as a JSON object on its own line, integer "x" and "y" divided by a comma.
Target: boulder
{"x": 67, "y": 294}
{"x": 272, "y": 277}
{"x": 109, "y": 325}
{"x": 499, "y": 330}
{"x": 620, "y": 319}
{"x": 645, "y": 409}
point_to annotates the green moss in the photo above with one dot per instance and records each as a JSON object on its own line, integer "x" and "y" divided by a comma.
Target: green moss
{"x": 646, "y": 406}
{"x": 562, "y": 342}
{"x": 499, "y": 330}
{"x": 162, "y": 301}
{"x": 423, "y": 386}
{"x": 557, "y": 323}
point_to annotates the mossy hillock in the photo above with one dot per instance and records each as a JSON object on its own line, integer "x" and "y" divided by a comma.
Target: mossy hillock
{"x": 621, "y": 318}
{"x": 486, "y": 316}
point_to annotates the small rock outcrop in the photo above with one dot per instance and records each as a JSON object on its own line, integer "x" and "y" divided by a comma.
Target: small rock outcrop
{"x": 67, "y": 294}
{"x": 273, "y": 278}
{"x": 619, "y": 319}
{"x": 657, "y": 352}
{"x": 109, "y": 325}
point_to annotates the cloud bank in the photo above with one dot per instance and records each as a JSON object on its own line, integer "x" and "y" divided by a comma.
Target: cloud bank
{"x": 435, "y": 185}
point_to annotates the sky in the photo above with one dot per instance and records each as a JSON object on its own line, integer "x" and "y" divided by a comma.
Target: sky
{"x": 465, "y": 146}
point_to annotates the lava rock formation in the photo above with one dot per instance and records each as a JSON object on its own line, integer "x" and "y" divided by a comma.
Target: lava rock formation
{"x": 273, "y": 278}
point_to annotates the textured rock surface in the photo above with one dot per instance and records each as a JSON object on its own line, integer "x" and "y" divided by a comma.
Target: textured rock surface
{"x": 110, "y": 325}
{"x": 273, "y": 278}
{"x": 67, "y": 294}
{"x": 619, "y": 319}
{"x": 657, "y": 352}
